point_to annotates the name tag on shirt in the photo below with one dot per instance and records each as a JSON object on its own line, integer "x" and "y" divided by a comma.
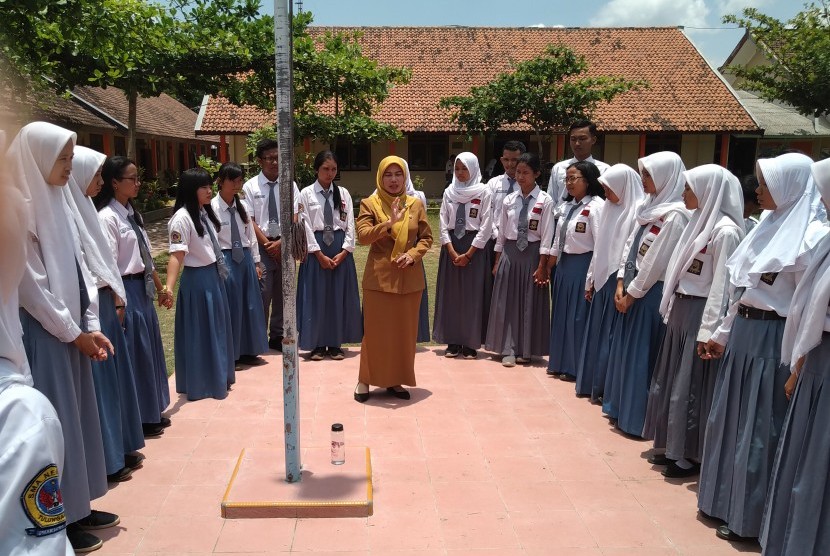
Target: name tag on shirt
{"x": 124, "y": 230}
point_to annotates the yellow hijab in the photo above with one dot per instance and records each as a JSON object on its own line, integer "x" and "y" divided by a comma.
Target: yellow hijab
{"x": 382, "y": 202}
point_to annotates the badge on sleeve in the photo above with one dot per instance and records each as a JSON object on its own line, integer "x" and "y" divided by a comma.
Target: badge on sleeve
{"x": 175, "y": 236}
{"x": 473, "y": 213}
{"x": 580, "y": 227}
{"x": 644, "y": 249}
{"x": 696, "y": 267}
{"x": 43, "y": 503}
{"x": 533, "y": 225}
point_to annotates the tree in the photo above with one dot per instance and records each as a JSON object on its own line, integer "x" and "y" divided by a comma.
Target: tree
{"x": 140, "y": 47}
{"x": 799, "y": 69}
{"x": 546, "y": 93}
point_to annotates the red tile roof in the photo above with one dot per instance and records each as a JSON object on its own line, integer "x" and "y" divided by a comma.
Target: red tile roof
{"x": 685, "y": 94}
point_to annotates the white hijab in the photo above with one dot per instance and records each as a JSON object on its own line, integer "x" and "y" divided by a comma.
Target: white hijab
{"x": 666, "y": 170}
{"x": 97, "y": 253}
{"x": 32, "y": 155}
{"x": 764, "y": 249}
{"x": 720, "y": 203}
{"x": 410, "y": 187}
{"x": 808, "y": 310}
{"x": 463, "y": 192}
{"x": 616, "y": 220}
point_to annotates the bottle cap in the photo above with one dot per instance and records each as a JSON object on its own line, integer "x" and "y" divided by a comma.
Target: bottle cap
{"x": 337, "y": 427}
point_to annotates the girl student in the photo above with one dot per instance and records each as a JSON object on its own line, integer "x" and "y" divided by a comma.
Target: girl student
{"x": 328, "y": 300}
{"x": 571, "y": 253}
{"x": 519, "y": 324}
{"x": 464, "y": 286}
{"x": 239, "y": 248}
{"x": 423, "y": 311}
{"x": 123, "y": 228}
{"x": 115, "y": 389}
{"x": 623, "y": 190}
{"x": 749, "y": 402}
{"x": 645, "y": 258}
{"x": 61, "y": 332}
{"x": 694, "y": 301}
{"x": 795, "y": 519}
{"x": 204, "y": 347}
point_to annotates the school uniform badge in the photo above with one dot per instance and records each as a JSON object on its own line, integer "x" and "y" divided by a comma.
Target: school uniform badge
{"x": 43, "y": 503}
{"x": 533, "y": 225}
{"x": 175, "y": 236}
{"x": 473, "y": 213}
{"x": 768, "y": 278}
{"x": 696, "y": 267}
{"x": 580, "y": 227}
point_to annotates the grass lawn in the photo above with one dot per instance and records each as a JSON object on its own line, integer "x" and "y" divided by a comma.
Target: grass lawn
{"x": 167, "y": 318}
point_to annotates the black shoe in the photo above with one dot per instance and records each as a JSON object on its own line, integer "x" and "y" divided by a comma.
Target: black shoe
{"x": 358, "y": 397}
{"x": 659, "y": 459}
{"x": 728, "y": 534}
{"x": 318, "y": 354}
{"x": 468, "y": 353}
{"x": 336, "y": 353}
{"x": 565, "y": 377}
{"x": 400, "y": 394}
{"x": 275, "y": 343}
{"x": 120, "y": 476}
{"x": 98, "y": 520}
{"x": 251, "y": 360}
{"x": 81, "y": 541}
{"x": 133, "y": 461}
{"x": 164, "y": 422}
{"x": 554, "y": 374}
{"x": 674, "y": 471}
{"x": 452, "y": 350}
{"x": 152, "y": 430}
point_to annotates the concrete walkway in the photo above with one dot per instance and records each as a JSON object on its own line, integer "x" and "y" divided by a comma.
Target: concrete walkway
{"x": 482, "y": 460}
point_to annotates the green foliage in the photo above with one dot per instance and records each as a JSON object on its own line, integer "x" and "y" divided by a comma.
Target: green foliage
{"x": 418, "y": 182}
{"x": 208, "y": 164}
{"x": 799, "y": 56}
{"x": 303, "y": 162}
{"x": 152, "y": 195}
{"x": 265, "y": 132}
{"x": 546, "y": 93}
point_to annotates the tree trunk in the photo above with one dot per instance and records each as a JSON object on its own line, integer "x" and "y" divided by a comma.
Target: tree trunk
{"x": 132, "y": 102}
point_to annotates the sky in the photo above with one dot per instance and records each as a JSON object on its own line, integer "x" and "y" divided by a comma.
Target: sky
{"x": 702, "y": 19}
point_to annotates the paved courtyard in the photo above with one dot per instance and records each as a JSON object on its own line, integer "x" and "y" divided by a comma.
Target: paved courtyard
{"x": 482, "y": 460}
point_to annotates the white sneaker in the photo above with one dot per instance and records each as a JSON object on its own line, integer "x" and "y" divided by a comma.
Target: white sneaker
{"x": 523, "y": 360}
{"x": 508, "y": 361}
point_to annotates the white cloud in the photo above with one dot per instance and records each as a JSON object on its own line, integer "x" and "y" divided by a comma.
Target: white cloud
{"x": 737, "y": 6}
{"x": 540, "y": 25}
{"x": 644, "y": 13}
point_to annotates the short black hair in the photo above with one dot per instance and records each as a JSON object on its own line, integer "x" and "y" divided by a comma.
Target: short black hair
{"x": 265, "y": 144}
{"x": 532, "y": 160}
{"x": 592, "y": 127}
{"x": 514, "y": 145}
{"x": 749, "y": 184}
{"x": 591, "y": 174}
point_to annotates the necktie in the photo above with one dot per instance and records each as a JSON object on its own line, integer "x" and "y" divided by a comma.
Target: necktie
{"x": 511, "y": 185}
{"x": 521, "y": 240}
{"x": 460, "y": 220}
{"x": 328, "y": 218}
{"x": 146, "y": 258}
{"x": 273, "y": 212}
{"x": 220, "y": 258}
{"x": 631, "y": 262}
{"x": 237, "y": 254}
{"x": 564, "y": 229}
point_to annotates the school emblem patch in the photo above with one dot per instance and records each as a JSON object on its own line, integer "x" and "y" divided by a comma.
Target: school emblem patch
{"x": 696, "y": 267}
{"x": 175, "y": 237}
{"x": 644, "y": 249}
{"x": 533, "y": 225}
{"x": 43, "y": 503}
{"x": 580, "y": 227}
{"x": 473, "y": 213}
{"x": 768, "y": 278}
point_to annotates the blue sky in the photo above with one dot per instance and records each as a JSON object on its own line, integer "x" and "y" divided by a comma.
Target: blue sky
{"x": 697, "y": 16}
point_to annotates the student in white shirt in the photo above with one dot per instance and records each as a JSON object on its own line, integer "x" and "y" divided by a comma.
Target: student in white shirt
{"x": 694, "y": 301}
{"x": 423, "y": 311}
{"x": 239, "y": 248}
{"x": 464, "y": 284}
{"x": 61, "y": 332}
{"x": 519, "y": 324}
{"x": 582, "y": 136}
{"x": 749, "y": 403}
{"x": 328, "y": 299}
{"x": 262, "y": 196}
{"x": 503, "y": 185}
{"x": 571, "y": 253}
{"x": 623, "y": 193}
{"x": 645, "y": 259}
{"x": 123, "y": 228}
{"x": 797, "y": 511}
{"x": 203, "y": 337}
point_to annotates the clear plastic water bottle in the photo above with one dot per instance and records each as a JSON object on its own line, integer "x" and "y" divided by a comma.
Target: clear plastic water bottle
{"x": 338, "y": 444}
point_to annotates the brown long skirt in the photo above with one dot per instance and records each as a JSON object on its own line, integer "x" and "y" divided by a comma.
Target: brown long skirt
{"x": 390, "y": 329}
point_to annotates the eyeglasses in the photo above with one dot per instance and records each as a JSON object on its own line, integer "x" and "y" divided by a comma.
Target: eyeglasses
{"x": 572, "y": 179}
{"x": 271, "y": 159}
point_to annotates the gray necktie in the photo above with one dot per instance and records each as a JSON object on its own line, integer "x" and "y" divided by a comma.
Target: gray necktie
{"x": 237, "y": 254}
{"x": 521, "y": 240}
{"x": 146, "y": 258}
{"x": 631, "y": 262}
{"x": 511, "y": 185}
{"x": 460, "y": 220}
{"x": 564, "y": 229}
{"x": 220, "y": 258}
{"x": 328, "y": 218}
{"x": 273, "y": 212}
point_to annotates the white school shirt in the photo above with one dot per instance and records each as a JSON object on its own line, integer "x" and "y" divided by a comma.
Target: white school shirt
{"x": 257, "y": 192}
{"x": 556, "y": 183}
{"x": 121, "y": 238}
{"x": 708, "y": 277}
{"x": 539, "y": 219}
{"x": 583, "y": 226}
{"x": 183, "y": 238}
{"x": 478, "y": 218}
{"x": 749, "y": 223}
{"x": 658, "y": 244}
{"x": 312, "y": 199}
{"x": 499, "y": 187}
{"x": 246, "y": 231}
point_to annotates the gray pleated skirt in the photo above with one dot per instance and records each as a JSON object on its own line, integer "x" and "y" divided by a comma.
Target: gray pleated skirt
{"x": 64, "y": 375}
{"x": 797, "y": 513}
{"x": 519, "y": 322}
{"x": 681, "y": 390}
{"x": 596, "y": 346}
{"x": 744, "y": 426}
{"x": 462, "y": 297}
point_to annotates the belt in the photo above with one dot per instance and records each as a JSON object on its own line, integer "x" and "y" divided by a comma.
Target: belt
{"x": 136, "y": 276}
{"x": 687, "y": 296}
{"x": 758, "y": 314}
